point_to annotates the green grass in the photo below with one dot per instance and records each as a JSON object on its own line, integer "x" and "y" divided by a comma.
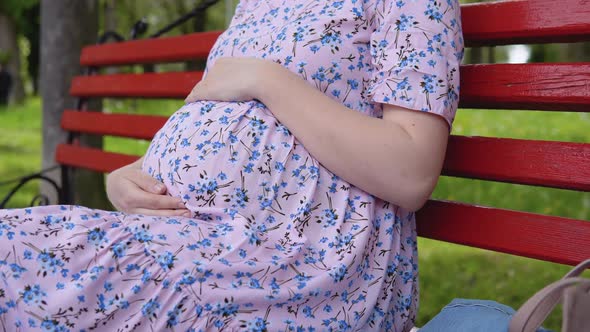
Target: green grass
{"x": 20, "y": 148}
{"x": 551, "y": 126}
{"x": 447, "y": 271}
{"x": 450, "y": 271}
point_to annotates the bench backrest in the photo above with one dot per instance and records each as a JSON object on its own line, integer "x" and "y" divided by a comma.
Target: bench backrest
{"x": 535, "y": 86}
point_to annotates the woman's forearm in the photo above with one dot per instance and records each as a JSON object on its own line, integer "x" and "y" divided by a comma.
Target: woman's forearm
{"x": 376, "y": 155}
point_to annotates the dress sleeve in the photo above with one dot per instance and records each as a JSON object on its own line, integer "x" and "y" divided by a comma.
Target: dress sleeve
{"x": 416, "y": 48}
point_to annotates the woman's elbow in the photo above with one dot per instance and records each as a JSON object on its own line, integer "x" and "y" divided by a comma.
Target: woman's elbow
{"x": 413, "y": 205}
{"x": 418, "y": 193}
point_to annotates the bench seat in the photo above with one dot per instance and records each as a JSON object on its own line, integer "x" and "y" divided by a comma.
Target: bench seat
{"x": 550, "y": 87}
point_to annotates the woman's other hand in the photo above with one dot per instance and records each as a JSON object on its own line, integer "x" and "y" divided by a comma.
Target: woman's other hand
{"x": 233, "y": 79}
{"x": 130, "y": 190}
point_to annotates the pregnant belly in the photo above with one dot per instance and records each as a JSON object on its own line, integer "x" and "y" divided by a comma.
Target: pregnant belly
{"x": 230, "y": 155}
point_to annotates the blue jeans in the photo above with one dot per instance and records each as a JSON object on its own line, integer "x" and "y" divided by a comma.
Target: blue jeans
{"x": 463, "y": 315}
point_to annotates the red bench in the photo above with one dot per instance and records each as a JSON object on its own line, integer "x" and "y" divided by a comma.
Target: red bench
{"x": 538, "y": 86}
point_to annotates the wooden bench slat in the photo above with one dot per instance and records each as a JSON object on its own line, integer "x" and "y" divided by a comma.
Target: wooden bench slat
{"x": 550, "y": 238}
{"x": 123, "y": 125}
{"x": 562, "y": 87}
{"x": 514, "y": 232}
{"x": 188, "y": 47}
{"x": 542, "y": 163}
{"x": 529, "y": 162}
{"x": 150, "y": 85}
{"x": 525, "y": 22}
{"x": 92, "y": 159}
{"x": 540, "y": 86}
{"x": 520, "y": 233}
{"x": 546, "y": 86}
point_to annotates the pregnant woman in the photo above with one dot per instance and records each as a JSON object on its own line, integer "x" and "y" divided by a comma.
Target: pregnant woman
{"x": 298, "y": 161}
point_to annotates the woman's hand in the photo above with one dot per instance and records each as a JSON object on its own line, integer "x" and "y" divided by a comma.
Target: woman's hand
{"x": 233, "y": 79}
{"x": 130, "y": 190}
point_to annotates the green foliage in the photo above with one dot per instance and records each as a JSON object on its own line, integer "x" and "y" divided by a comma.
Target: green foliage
{"x": 4, "y": 57}
{"x": 15, "y": 9}
{"x": 159, "y": 13}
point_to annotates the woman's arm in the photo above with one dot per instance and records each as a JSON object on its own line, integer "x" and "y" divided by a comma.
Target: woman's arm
{"x": 131, "y": 190}
{"x": 397, "y": 158}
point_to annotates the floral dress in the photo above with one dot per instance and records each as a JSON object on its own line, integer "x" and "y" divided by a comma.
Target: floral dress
{"x": 276, "y": 241}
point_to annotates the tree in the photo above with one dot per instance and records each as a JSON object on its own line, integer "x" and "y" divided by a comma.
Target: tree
{"x": 11, "y": 22}
{"x": 66, "y": 26}
{"x": 31, "y": 31}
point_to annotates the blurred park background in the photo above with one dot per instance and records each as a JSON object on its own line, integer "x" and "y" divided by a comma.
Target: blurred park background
{"x": 447, "y": 271}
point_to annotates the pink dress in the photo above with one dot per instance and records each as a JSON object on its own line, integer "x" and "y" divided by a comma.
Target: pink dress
{"x": 276, "y": 241}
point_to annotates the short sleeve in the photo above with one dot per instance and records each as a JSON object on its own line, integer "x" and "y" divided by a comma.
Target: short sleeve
{"x": 416, "y": 49}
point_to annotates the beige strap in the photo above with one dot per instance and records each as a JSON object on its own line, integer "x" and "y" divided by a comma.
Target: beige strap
{"x": 549, "y": 299}
{"x": 576, "y": 271}
{"x": 576, "y": 305}
{"x": 536, "y": 309}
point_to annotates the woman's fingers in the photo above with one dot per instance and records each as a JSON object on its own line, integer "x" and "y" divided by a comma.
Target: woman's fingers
{"x": 143, "y": 199}
{"x": 151, "y": 193}
{"x": 146, "y": 182}
{"x": 131, "y": 190}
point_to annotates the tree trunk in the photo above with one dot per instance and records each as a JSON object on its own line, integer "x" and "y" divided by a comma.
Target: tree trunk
{"x": 9, "y": 42}
{"x": 110, "y": 24}
{"x": 110, "y": 16}
{"x": 66, "y": 26}
{"x": 32, "y": 33}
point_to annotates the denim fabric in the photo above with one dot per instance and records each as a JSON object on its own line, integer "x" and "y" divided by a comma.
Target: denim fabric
{"x": 463, "y": 315}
